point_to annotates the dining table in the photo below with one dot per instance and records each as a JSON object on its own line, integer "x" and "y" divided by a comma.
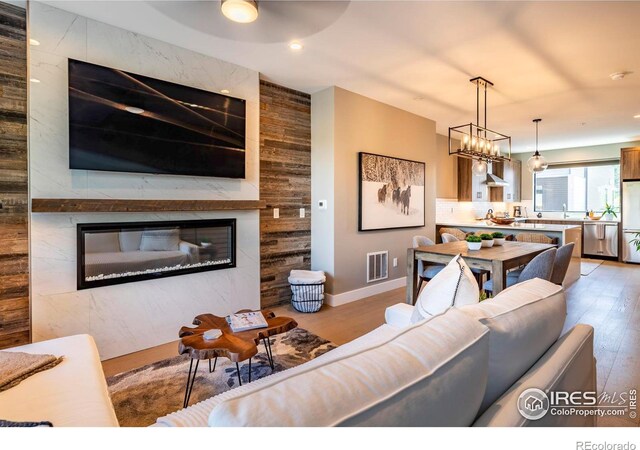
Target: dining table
{"x": 497, "y": 259}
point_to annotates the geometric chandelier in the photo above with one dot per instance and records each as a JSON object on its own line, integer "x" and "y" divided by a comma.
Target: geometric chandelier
{"x": 478, "y": 142}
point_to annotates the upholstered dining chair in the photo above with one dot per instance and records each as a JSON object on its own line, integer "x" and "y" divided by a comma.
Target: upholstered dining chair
{"x": 561, "y": 263}
{"x": 536, "y": 238}
{"x": 426, "y": 271}
{"x": 461, "y": 235}
{"x": 539, "y": 267}
{"x": 447, "y": 237}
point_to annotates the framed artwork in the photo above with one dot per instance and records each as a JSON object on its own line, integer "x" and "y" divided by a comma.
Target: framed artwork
{"x": 391, "y": 193}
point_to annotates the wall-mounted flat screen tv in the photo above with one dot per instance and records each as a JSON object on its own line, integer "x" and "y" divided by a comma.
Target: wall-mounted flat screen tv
{"x": 123, "y": 122}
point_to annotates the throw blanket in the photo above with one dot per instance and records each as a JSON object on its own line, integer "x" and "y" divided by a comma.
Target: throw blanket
{"x": 18, "y": 366}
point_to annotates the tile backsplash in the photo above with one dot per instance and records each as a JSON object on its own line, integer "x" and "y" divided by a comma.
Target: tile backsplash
{"x": 451, "y": 210}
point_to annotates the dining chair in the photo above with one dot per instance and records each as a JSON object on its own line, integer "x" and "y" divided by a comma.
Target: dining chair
{"x": 536, "y": 238}
{"x": 539, "y": 267}
{"x": 448, "y": 237}
{"x": 461, "y": 235}
{"x": 561, "y": 263}
{"x": 426, "y": 271}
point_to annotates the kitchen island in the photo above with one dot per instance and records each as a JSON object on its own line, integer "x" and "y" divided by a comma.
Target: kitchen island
{"x": 563, "y": 233}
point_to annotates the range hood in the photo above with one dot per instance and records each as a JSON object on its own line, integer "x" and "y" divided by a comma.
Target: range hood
{"x": 495, "y": 181}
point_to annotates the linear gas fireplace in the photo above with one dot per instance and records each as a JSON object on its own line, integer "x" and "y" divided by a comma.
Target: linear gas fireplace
{"x": 114, "y": 253}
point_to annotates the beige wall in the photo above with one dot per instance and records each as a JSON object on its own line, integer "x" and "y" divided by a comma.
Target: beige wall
{"x": 365, "y": 125}
{"x": 447, "y": 169}
{"x": 569, "y": 155}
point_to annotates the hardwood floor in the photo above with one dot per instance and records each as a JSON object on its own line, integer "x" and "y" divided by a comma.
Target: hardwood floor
{"x": 608, "y": 299}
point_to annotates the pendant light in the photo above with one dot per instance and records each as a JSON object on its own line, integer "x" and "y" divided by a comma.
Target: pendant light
{"x": 479, "y": 168}
{"x": 241, "y": 11}
{"x": 537, "y": 163}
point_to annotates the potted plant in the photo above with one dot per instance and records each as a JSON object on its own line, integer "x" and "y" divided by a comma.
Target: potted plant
{"x": 474, "y": 242}
{"x": 498, "y": 238}
{"x": 205, "y": 242}
{"x": 487, "y": 240}
{"x": 608, "y": 212}
{"x": 636, "y": 242}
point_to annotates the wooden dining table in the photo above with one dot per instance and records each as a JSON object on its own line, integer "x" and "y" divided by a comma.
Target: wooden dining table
{"x": 497, "y": 259}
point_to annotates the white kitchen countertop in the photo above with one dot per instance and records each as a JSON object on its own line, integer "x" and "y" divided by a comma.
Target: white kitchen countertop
{"x": 516, "y": 226}
{"x": 573, "y": 219}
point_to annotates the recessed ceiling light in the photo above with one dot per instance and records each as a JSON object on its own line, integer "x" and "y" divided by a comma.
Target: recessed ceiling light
{"x": 418, "y": 98}
{"x": 34, "y": 80}
{"x": 637, "y": 116}
{"x": 133, "y": 110}
{"x": 295, "y": 45}
{"x": 34, "y": 42}
{"x": 617, "y": 76}
{"x": 241, "y": 11}
{"x": 224, "y": 91}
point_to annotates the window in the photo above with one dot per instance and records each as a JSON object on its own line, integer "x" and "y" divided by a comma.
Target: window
{"x": 581, "y": 187}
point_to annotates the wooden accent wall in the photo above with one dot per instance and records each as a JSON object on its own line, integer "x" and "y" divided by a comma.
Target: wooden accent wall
{"x": 285, "y": 183}
{"x": 14, "y": 259}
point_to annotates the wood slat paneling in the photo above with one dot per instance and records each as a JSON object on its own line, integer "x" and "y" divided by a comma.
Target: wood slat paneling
{"x": 14, "y": 258}
{"x": 285, "y": 183}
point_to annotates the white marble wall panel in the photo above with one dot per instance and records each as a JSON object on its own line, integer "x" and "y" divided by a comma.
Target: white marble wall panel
{"x": 133, "y": 316}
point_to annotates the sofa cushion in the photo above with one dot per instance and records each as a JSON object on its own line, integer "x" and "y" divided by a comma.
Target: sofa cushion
{"x": 130, "y": 240}
{"x": 101, "y": 242}
{"x": 418, "y": 376}
{"x": 454, "y": 285}
{"x": 524, "y": 321}
{"x": 567, "y": 366}
{"x": 160, "y": 240}
{"x": 71, "y": 394}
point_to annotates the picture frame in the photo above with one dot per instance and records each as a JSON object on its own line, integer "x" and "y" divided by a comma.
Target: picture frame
{"x": 391, "y": 192}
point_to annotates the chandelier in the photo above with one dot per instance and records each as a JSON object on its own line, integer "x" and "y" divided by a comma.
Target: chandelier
{"x": 477, "y": 142}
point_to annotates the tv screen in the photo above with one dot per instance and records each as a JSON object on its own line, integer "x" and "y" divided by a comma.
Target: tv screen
{"x": 123, "y": 122}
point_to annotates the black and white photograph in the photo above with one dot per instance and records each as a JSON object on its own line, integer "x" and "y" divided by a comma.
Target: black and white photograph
{"x": 391, "y": 193}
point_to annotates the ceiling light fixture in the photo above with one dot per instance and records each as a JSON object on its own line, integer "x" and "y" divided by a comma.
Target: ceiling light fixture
{"x": 471, "y": 141}
{"x": 295, "y": 45}
{"x": 34, "y": 42}
{"x": 617, "y": 76}
{"x": 537, "y": 163}
{"x": 133, "y": 110}
{"x": 224, "y": 91}
{"x": 241, "y": 11}
{"x": 637, "y": 116}
{"x": 34, "y": 80}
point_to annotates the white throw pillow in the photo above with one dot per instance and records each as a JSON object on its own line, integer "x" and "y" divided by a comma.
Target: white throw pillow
{"x": 160, "y": 240}
{"x": 454, "y": 285}
{"x": 130, "y": 241}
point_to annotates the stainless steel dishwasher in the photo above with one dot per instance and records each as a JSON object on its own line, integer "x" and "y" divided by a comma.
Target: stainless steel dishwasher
{"x": 601, "y": 239}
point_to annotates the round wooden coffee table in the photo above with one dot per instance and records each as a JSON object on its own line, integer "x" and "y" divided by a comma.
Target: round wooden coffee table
{"x": 237, "y": 347}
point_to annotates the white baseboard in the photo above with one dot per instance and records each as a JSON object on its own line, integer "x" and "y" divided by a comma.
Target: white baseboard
{"x": 368, "y": 291}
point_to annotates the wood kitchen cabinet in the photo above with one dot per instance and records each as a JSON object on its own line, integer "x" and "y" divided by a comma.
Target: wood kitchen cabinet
{"x": 511, "y": 172}
{"x": 471, "y": 188}
{"x": 630, "y": 164}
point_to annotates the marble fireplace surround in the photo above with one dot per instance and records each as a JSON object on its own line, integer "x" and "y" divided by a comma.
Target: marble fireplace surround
{"x": 128, "y": 317}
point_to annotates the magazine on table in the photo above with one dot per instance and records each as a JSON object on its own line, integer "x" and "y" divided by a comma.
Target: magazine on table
{"x": 246, "y": 321}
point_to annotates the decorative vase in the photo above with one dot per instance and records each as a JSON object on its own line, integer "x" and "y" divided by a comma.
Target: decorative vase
{"x": 608, "y": 217}
{"x": 498, "y": 241}
{"x": 487, "y": 243}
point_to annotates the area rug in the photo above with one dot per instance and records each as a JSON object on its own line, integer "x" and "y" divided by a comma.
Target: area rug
{"x": 589, "y": 265}
{"x": 142, "y": 395}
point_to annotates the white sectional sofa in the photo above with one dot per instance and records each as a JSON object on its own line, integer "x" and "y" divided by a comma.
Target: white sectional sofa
{"x": 464, "y": 367}
{"x": 71, "y": 394}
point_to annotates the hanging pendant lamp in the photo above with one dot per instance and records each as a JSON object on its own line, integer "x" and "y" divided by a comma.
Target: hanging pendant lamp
{"x": 537, "y": 163}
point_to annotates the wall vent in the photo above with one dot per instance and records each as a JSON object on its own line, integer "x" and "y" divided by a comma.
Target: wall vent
{"x": 377, "y": 266}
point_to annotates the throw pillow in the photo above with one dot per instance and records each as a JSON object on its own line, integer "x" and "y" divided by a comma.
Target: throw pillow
{"x": 101, "y": 242}
{"x": 130, "y": 240}
{"x": 160, "y": 240}
{"x": 454, "y": 285}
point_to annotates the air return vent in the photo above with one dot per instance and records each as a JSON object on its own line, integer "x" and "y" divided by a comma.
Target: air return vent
{"x": 377, "y": 266}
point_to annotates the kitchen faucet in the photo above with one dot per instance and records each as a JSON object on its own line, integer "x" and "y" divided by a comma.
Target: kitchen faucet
{"x": 564, "y": 211}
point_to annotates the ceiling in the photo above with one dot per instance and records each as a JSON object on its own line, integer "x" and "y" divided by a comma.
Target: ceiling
{"x": 547, "y": 59}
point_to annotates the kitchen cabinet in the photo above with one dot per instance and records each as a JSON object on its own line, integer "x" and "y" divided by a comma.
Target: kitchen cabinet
{"x": 471, "y": 188}
{"x": 630, "y": 164}
{"x": 511, "y": 172}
